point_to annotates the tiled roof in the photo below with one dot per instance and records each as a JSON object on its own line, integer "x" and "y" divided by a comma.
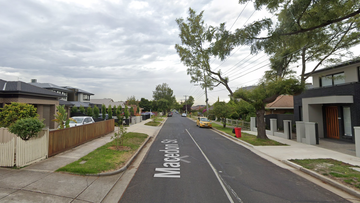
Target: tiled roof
{"x": 18, "y": 87}
{"x": 108, "y": 102}
{"x": 50, "y": 86}
{"x": 282, "y": 102}
{"x": 78, "y": 90}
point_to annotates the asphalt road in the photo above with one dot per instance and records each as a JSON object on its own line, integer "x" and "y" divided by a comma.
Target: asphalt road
{"x": 191, "y": 164}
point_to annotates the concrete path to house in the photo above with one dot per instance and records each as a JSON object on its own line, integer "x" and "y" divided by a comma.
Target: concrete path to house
{"x": 39, "y": 182}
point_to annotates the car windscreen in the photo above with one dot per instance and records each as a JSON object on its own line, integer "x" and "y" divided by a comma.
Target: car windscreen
{"x": 78, "y": 120}
{"x": 204, "y": 119}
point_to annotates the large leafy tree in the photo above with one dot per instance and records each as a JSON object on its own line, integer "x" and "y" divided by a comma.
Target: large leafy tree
{"x": 190, "y": 101}
{"x": 145, "y": 104}
{"x": 196, "y": 50}
{"x": 222, "y": 110}
{"x": 161, "y": 94}
{"x": 266, "y": 92}
{"x": 132, "y": 101}
{"x": 308, "y": 30}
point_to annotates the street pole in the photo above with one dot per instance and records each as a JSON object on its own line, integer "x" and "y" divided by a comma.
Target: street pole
{"x": 206, "y": 99}
{"x": 185, "y": 104}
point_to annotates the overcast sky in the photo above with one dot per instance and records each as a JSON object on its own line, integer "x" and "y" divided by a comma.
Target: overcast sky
{"x": 117, "y": 49}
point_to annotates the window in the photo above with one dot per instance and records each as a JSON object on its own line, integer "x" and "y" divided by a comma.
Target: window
{"x": 347, "y": 121}
{"x": 333, "y": 79}
{"x": 86, "y": 97}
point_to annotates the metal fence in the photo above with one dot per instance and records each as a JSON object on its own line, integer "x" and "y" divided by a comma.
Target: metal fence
{"x": 238, "y": 123}
{"x": 68, "y": 138}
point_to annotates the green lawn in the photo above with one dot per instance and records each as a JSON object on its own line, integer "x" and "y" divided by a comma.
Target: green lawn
{"x": 334, "y": 169}
{"x": 153, "y": 123}
{"x": 251, "y": 139}
{"x": 107, "y": 158}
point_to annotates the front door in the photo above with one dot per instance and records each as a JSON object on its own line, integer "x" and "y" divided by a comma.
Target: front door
{"x": 332, "y": 122}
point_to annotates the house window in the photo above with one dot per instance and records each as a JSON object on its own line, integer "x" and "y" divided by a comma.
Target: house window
{"x": 333, "y": 79}
{"x": 347, "y": 121}
{"x": 86, "y": 97}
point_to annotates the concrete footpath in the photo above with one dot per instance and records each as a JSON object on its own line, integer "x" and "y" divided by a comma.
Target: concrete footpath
{"x": 40, "y": 183}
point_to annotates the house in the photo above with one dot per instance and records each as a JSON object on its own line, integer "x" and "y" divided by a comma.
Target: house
{"x": 283, "y": 104}
{"x": 333, "y": 102}
{"x": 78, "y": 97}
{"x": 44, "y": 100}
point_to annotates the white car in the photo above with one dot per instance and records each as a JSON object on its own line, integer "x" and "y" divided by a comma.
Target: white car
{"x": 183, "y": 114}
{"x": 81, "y": 120}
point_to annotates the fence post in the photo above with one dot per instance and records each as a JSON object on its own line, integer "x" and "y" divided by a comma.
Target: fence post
{"x": 357, "y": 140}
{"x": 273, "y": 125}
{"x": 300, "y": 131}
{"x": 252, "y": 124}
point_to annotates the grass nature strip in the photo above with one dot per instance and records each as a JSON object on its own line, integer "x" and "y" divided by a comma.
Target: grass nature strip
{"x": 106, "y": 158}
{"x": 251, "y": 139}
{"x": 336, "y": 170}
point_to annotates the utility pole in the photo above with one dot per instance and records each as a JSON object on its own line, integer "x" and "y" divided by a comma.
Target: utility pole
{"x": 206, "y": 97}
{"x": 185, "y": 104}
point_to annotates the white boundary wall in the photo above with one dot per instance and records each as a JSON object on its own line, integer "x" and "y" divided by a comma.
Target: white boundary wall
{"x": 26, "y": 152}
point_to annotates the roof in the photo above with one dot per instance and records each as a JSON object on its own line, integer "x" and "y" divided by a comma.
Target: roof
{"x": 18, "y": 87}
{"x": 107, "y": 102}
{"x": 282, "y": 102}
{"x": 50, "y": 86}
{"x": 78, "y": 104}
{"x": 339, "y": 65}
{"x": 78, "y": 90}
{"x": 66, "y": 103}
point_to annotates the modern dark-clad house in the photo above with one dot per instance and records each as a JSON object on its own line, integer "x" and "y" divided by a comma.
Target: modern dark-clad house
{"x": 44, "y": 100}
{"x": 333, "y": 102}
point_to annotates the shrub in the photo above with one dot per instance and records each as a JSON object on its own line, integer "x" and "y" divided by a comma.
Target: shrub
{"x": 132, "y": 111}
{"x": 137, "y": 110}
{"x": 82, "y": 109}
{"x": 15, "y": 111}
{"x": 89, "y": 111}
{"x": 126, "y": 113}
{"x": 96, "y": 112}
{"x": 74, "y": 109}
{"x": 61, "y": 117}
{"x": 110, "y": 112}
{"x": 27, "y": 128}
{"x": 119, "y": 136}
{"x": 211, "y": 117}
{"x": 103, "y": 111}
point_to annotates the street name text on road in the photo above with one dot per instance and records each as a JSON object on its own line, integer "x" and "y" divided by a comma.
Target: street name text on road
{"x": 171, "y": 160}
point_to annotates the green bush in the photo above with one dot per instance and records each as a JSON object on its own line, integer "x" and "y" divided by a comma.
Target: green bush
{"x": 82, "y": 109}
{"x": 27, "y": 128}
{"x": 126, "y": 113}
{"x": 74, "y": 109}
{"x": 110, "y": 112}
{"x": 103, "y": 111}
{"x": 211, "y": 117}
{"x": 15, "y": 111}
{"x": 89, "y": 111}
{"x": 96, "y": 112}
{"x": 132, "y": 111}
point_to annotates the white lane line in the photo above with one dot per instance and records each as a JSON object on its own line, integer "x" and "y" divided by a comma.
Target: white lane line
{"x": 214, "y": 170}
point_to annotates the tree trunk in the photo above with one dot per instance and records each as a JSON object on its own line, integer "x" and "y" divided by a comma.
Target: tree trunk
{"x": 224, "y": 122}
{"x": 261, "y": 124}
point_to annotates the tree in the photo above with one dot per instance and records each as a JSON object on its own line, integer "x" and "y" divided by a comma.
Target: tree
{"x": 74, "y": 109}
{"x": 61, "y": 117}
{"x": 15, "y": 111}
{"x": 190, "y": 101}
{"x": 132, "y": 101}
{"x": 119, "y": 114}
{"x": 132, "y": 111}
{"x": 89, "y": 111}
{"x": 138, "y": 110}
{"x": 103, "y": 111}
{"x": 119, "y": 136}
{"x": 222, "y": 110}
{"x": 126, "y": 112}
{"x": 27, "y": 128}
{"x": 109, "y": 112}
{"x": 198, "y": 42}
{"x": 145, "y": 104}
{"x": 82, "y": 109}
{"x": 266, "y": 92}
{"x": 163, "y": 92}
{"x": 96, "y": 112}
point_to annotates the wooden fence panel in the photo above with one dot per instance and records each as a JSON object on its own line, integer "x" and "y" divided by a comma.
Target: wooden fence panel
{"x": 7, "y": 153}
{"x": 68, "y": 138}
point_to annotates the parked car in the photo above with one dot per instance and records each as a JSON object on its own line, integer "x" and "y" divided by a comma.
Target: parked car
{"x": 170, "y": 114}
{"x": 203, "y": 122}
{"x": 183, "y": 114}
{"x": 81, "y": 120}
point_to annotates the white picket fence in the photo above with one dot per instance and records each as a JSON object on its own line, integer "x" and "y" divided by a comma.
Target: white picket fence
{"x": 14, "y": 150}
